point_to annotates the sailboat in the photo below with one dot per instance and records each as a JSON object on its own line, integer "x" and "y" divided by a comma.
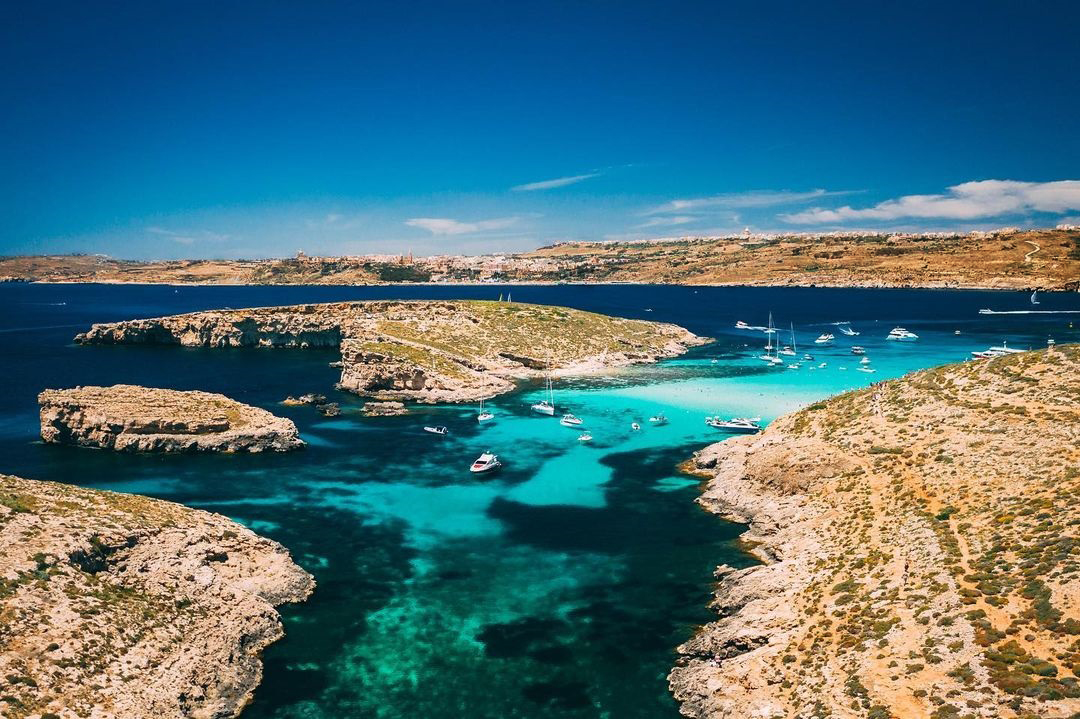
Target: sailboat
{"x": 770, "y": 331}
{"x": 484, "y": 416}
{"x": 1035, "y": 297}
{"x": 773, "y": 359}
{"x": 546, "y": 406}
{"x": 791, "y": 349}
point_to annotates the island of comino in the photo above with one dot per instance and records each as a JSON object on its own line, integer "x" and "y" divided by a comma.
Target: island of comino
{"x": 548, "y": 360}
{"x": 1007, "y": 258}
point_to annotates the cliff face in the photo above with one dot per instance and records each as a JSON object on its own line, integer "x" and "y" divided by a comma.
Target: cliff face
{"x": 921, "y": 548}
{"x": 117, "y": 605}
{"x": 129, "y": 418}
{"x": 426, "y": 351}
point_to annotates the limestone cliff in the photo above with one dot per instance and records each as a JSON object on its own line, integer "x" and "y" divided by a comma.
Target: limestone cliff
{"x": 921, "y": 548}
{"x": 115, "y": 605}
{"x": 426, "y": 351}
{"x": 129, "y": 418}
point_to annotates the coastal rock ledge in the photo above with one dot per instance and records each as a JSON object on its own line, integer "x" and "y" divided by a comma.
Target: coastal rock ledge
{"x": 129, "y": 418}
{"x": 117, "y": 606}
{"x": 422, "y": 350}
{"x": 921, "y": 553}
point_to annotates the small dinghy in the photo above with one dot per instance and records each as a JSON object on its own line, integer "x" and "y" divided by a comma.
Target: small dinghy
{"x": 436, "y": 430}
{"x": 635, "y": 426}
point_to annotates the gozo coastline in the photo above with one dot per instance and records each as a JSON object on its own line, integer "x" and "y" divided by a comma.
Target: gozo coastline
{"x": 920, "y": 549}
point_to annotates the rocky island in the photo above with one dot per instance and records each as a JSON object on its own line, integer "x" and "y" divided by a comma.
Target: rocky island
{"x": 116, "y": 605}
{"x": 921, "y": 549}
{"x": 425, "y": 350}
{"x": 128, "y": 418}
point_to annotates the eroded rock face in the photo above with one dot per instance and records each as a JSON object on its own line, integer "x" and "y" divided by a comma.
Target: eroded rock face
{"x": 129, "y": 418}
{"x": 120, "y": 606}
{"x": 424, "y": 351}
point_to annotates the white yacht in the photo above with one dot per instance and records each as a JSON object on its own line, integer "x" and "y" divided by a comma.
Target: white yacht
{"x": 569, "y": 420}
{"x": 585, "y": 437}
{"x": 658, "y": 419}
{"x": 864, "y": 360}
{"x": 998, "y": 351}
{"x": 899, "y": 333}
{"x": 741, "y": 425}
{"x": 866, "y": 369}
{"x": 740, "y": 325}
{"x": 486, "y": 462}
{"x": 825, "y": 338}
{"x": 484, "y": 416}
{"x": 769, "y": 356}
{"x": 857, "y": 350}
{"x": 546, "y": 406}
{"x": 436, "y": 430}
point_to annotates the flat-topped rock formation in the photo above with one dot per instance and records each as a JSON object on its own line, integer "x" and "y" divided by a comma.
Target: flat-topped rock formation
{"x": 425, "y": 351}
{"x": 115, "y": 605}
{"x": 129, "y": 418}
{"x": 922, "y": 552}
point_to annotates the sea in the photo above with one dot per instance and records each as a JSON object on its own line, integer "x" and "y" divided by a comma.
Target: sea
{"x": 558, "y": 588}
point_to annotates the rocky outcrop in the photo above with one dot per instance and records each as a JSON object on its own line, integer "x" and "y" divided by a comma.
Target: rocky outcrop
{"x": 920, "y": 552}
{"x": 425, "y": 351}
{"x": 120, "y": 606}
{"x": 129, "y": 418}
{"x": 384, "y": 409}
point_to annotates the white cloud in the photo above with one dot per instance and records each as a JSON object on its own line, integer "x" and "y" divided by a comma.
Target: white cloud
{"x": 552, "y": 184}
{"x": 741, "y": 200}
{"x": 668, "y": 220}
{"x": 188, "y": 238}
{"x": 966, "y": 201}
{"x": 447, "y": 226}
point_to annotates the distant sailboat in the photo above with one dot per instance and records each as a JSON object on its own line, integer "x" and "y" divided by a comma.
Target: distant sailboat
{"x": 508, "y": 297}
{"x": 1035, "y": 297}
{"x": 546, "y": 406}
{"x": 484, "y": 416}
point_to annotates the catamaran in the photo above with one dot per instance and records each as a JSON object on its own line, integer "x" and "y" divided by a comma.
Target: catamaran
{"x": 484, "y": 416}
{"x": 901, "y": 334}
{"x": 740, "y": 425}
{"x": 486, "y": 462}
{"x": 546, "y": 406}
{"x": 569, "y": 420}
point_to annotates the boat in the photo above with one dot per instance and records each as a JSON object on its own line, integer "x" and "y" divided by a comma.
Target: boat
{"x": 584, "y": 437}
{"x": 793, "y": 349}
{"x": 436, "y": 430}
{"x": 864, "y": 360}
{"x": 546, "y": 406}
{"x": 794, "y": 365}
{"x": 740, "y": 425}
{"x": 635, "y": 426}
{"x": 484, "y": 416}
{"x": 1035, "y": 297}
{"x": 770, "y": 331}
{"x": 1050, "y": 342}
{"x": 658, "y": 419}
{"x": 740, "y": 325}
{"x": 773, "y": 359}
{"x": 845, "y": 329}
{"x": 569, "y": 420}
{"x": 486, "y": 462}
{"x": 899, "y": 333}
{"x": 998, "y": 351}
{"x": 857, "y": 350}
{"x": 866, "y": 369}
{"x": 808, "y": 357}
{"x": 825, "y": 338}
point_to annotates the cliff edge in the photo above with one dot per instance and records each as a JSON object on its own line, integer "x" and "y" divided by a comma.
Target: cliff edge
{"x": 921, "y": 548}
{"x": 115, "y": 605}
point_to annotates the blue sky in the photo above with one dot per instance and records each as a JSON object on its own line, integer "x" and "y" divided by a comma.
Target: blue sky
{"x": 222, "y": 129}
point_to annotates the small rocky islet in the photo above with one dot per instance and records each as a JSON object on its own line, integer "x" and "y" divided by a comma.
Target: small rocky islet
{"x": 116, "y": 605}
{"x": 130, "y": 418}
{"x": 920, "y": 548}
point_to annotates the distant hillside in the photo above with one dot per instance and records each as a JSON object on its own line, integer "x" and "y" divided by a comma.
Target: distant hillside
{"x": 1030, "y": 259}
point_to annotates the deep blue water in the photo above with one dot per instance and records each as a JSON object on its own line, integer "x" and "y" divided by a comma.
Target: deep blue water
{"x": 558, "y": 589}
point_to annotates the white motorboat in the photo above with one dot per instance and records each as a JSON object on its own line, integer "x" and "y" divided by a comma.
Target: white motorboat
{"x": 899, "y": 333}
{"x": 635, "y": 426}
{"x": 845, "y": 329}
{"x": 998, "y": 351}
{"x": 822, "y": 365}
{"x": 740, "y": 325}
{"x": 569, "y": 420}
{"x": 740, "y": 425}
{"x": 808, "y": 358}
{"x": 584, "y": 437}
{"x": 486, "y": 462}
{"x": 857, "y": 350}
{"x": 794, "y": 365}
{"x": 866, "y": 369}
{"x": 436, "y": 430}
{"x": 484, "y": 416}
{"x": 546, "y": 406}
{"x": 864, "y": 360}
{"x": 825, "y": 338}
{"x": 658, "y": 420}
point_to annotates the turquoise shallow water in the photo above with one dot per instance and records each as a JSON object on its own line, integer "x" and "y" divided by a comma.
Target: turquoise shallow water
{"x": 556, "y": 589}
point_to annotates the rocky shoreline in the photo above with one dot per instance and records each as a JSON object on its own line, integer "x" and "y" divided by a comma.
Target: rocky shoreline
{"x": 422, "y": 351}
{"x": 906, "y": 571}
{"x": 129, "y": 418}
{"x": 116, "y": 605}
